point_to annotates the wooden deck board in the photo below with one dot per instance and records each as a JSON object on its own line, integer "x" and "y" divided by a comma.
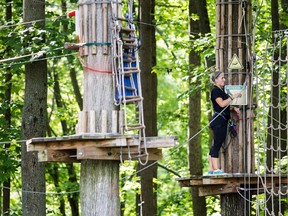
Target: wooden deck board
{"x": 228, "y": 183}
{"x": 97, "y": 146}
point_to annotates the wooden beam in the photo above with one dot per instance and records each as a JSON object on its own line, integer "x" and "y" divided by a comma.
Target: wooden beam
{"x": 95, "y": 153}
{"x": 57, "y": 156}
{"x": 217, "y": 189}
{"x": 73, "y": 142}
{"x": 225, "y": 184}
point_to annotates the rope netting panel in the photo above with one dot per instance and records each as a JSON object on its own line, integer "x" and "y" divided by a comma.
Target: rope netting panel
{"x": 271, "y": 85}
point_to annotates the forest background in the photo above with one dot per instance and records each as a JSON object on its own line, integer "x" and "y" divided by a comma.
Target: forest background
{"x": 177, "y": 80}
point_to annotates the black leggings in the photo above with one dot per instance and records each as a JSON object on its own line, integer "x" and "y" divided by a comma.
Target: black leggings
{"x": 219, "y": 136}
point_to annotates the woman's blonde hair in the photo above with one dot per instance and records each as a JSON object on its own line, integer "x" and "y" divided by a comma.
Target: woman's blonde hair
{"x": 215, "y": 75}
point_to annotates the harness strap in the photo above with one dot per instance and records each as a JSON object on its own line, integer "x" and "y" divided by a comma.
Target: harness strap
{"x": 221, "y": 115}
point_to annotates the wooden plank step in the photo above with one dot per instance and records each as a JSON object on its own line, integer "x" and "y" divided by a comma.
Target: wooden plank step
{"x": 129, "y": 56}
{"x": 128, "y": 39}
{"x": 130, "y": 88}
{"x": 129, "y": 60}
{"x": 135, "y": 127}
{"x": 129, "y": 72}
{"x": 121, "y": 19}
{"x": 130, "y": 68}
{"x": 132, "y": 100}
{"x": 129, "y": 30}
{"x": 133, "y": 97}
{"x": 129, "y": 45}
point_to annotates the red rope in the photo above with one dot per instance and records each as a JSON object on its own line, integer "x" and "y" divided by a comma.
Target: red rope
{"x": 95, "y": 70}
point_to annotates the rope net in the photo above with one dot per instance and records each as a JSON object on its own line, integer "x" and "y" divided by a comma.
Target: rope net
{"x": 271, "y": 128}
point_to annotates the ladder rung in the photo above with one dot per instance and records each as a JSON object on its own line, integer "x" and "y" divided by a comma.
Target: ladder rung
{"x": 122, "y": 19}
{"x": 132, "y": 97}
{"x": 134, "y": 128}
{"x": 129, "y": 45}
{"x": 130, "y": 100}
{"x": 128, "y": 60}
{"x": 131, "y": 68}
{"x": 129, "y": 72}
{"x": 128, "y": 39}
{"x": 130, "y": 88}
{"x": 129, "y": 56}
{"x": 127, "y": 30}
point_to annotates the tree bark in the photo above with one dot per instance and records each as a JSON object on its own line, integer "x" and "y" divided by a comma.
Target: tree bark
{"x": 53, "y": 171}
{"x": 73, "y": 199}
{"x": 99, "y": 180}
{"x": 230, "y": 205}
{"x": 195, "y": 149}
{"x": 76, "y": 88}
{"x": 147, "y": 54}
{"x": 34, "y": 123}
{"x": 233, "y": 21}
{"x": 274, "y": 118}
{"x": 7, "y": 115}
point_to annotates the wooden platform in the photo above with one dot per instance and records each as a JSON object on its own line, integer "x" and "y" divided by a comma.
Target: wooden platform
{"x": 233, "y": 183}
{"x": 93, "y": 146}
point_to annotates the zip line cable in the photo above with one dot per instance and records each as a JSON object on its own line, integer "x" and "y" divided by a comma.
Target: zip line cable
{"x": 148, "y": 166}
{"x": 36, "y": 60}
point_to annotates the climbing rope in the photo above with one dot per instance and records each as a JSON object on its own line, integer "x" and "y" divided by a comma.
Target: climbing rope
{"x": 126, "y": 78}
{"x": 272, "y": 145}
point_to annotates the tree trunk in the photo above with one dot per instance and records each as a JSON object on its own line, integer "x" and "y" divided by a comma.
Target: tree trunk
{"x": 274, "y": 119}
{"x": 147, "y": 54}
{"x": 73, "y": 199}
{"x": 76, "y": 88}
{"x": 231, "y": 205}
{"x": 34, "y": 123}
{"x": 8, "y": 83}
{"x": 233, "y": 23}
{"x": 53, "y": 171}
{"x": 6, "y": 184}
{"x": 195, "y": 150}
{"x": 99, "y": 180}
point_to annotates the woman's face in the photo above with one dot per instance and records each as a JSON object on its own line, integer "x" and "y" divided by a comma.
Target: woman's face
{"x": 220, "y": 80}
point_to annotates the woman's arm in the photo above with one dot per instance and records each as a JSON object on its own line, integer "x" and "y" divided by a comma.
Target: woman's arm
{"x": 223, "y": 103}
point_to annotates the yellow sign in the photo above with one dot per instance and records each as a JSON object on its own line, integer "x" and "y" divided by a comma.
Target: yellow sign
{"x": 235, "y": 63}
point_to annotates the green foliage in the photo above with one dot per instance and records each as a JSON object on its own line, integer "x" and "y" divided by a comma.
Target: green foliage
{"x": 176, "y": 81}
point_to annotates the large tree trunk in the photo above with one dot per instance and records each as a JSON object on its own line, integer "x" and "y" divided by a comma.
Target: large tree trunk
{"x": 99, "y": 180}
{"x": 34, "y": 123}
{"x": 274, "y": 117}
{"x": 149, "y": 91}
{"x": 233, "y": 23}
{"x": 195, "y": 150}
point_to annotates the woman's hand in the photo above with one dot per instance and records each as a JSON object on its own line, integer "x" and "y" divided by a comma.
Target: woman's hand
{"x": 237, "y": 95}
{"x": 237, "y": 110}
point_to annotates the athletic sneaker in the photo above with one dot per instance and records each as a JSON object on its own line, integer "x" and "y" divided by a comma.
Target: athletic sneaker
{"x": 209, "y": 173}
{"x": 218, "y": 172}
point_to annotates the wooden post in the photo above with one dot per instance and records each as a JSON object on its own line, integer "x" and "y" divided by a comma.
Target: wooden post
{"x": 99, "y": 179}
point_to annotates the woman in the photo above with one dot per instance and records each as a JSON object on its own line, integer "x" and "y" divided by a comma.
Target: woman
{"x": 221, "y": 106}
